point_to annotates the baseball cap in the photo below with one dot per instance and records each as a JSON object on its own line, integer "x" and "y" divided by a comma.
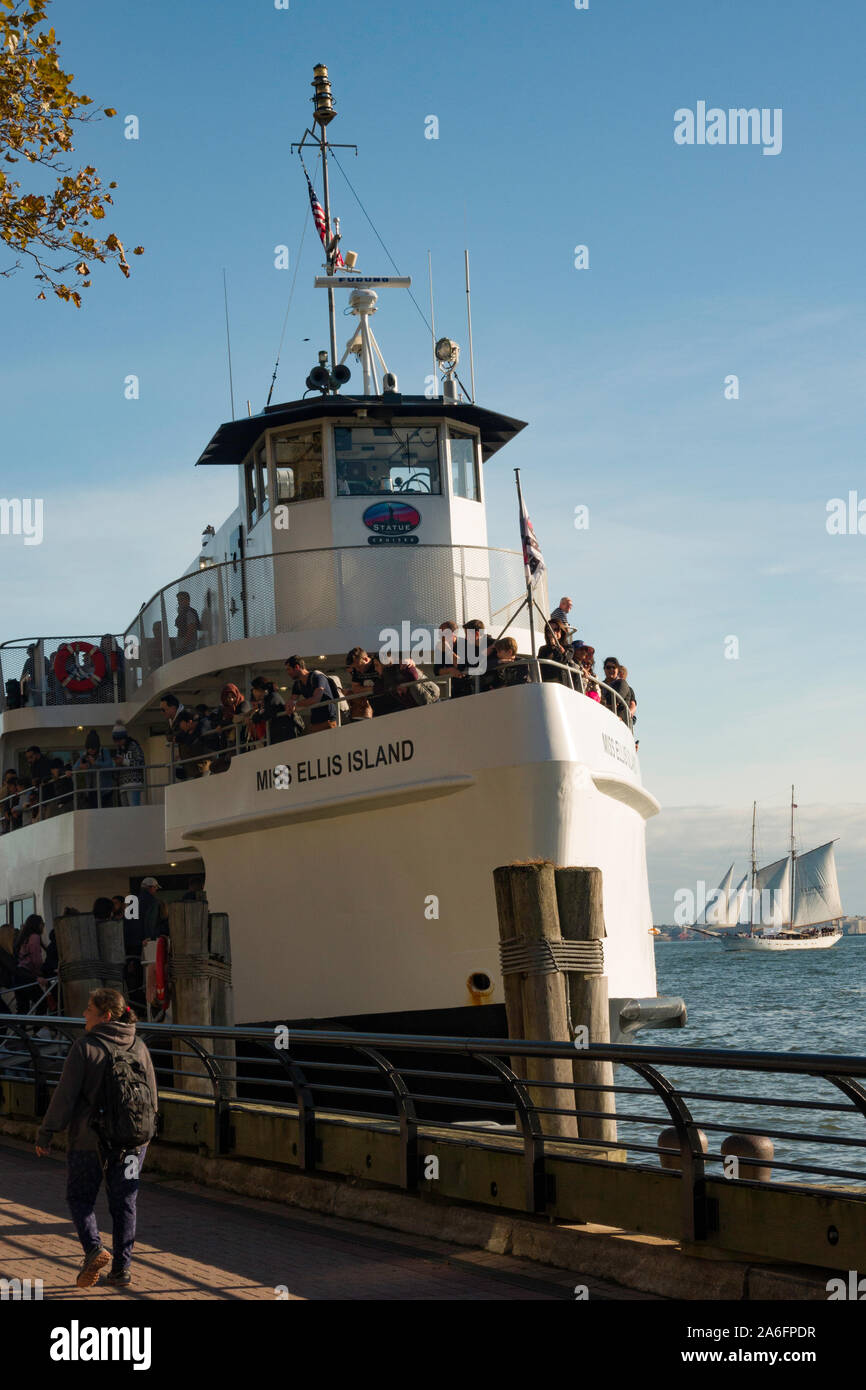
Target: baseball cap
{"x": 149, "y": 883}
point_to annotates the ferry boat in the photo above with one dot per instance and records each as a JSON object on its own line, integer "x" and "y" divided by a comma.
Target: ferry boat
{"x": 355, "y": 865}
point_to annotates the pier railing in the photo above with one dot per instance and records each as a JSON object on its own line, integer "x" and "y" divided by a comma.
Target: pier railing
{"x": 432, "y": 1093}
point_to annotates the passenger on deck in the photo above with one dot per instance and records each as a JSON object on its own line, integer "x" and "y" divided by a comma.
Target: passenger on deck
{"x": 613, "y": 680}
{"x": 630, "y": 695}
{"x": 448, "y": 667}
{"x": 554, "y": 649}
{"x": 192, "y": 750}
{"x": 29, "y": 955}
{"x": 40, "y": 771}
{"x": 404, "y": 686}
{"x": 363, "y": 683}
{"x": 187, "y": 625}
{"x": 114, "y": 679}
{"x": 270, "y": 712}
{"x": 95, "y": 783}
{"x": 229, "y": 722}
{"x": 11, "y": 810}
{"x": 128, "y": 755}
{"x": 58, "y": 793}
{"x": 153, "y": 915}
{"x": 34, "y": 683}
{"x": 560, "y": 615}
{"x": 312, "y": 690}
{"x": 507, "y": 670}
{"x": 480, "y": 657}
{"x": 584, "y": 657}
{"x": 172, "y": 709}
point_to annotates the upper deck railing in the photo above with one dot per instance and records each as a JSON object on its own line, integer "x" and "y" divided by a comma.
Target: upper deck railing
{"x": 256, "y": 596}
{"x": 115, "y": 784}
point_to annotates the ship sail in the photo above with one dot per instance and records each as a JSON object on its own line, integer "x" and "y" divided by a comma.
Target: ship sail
{"x": 715, "y": 912}
{"x": 775, "y": 880}
{"x": 737, "y": 904}
{"x": 816, "y": 887}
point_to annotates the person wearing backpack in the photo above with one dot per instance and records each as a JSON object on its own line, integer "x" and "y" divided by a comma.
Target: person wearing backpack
{"x": 107, "y": 1099}
{"x": 315, "y": 691}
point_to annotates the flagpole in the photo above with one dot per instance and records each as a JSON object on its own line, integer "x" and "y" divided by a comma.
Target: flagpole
{"x": 323, "y": 114}
{"x": 529, "y": 600}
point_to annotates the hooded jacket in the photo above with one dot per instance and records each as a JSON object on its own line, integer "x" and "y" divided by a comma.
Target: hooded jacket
{"x": 75, "y": 1097}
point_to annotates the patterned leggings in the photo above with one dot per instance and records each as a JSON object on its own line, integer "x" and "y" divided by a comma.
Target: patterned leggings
{"x": 84, "y": 1173}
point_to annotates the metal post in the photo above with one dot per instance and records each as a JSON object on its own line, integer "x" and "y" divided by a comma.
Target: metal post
{"x": 329, "y": 258}
{"x": 469, "y": 324}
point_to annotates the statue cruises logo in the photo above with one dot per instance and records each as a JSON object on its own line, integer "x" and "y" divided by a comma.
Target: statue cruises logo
{"x": 392, "y": 522}
{"x": 736, "y": 126}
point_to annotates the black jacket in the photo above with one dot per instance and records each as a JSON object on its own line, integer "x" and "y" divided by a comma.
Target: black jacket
{"x": 77, "y": 1091}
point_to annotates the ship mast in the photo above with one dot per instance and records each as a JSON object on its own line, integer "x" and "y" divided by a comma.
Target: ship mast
{"x": 324, "y": 112}
{"x": 754, "y": 874}
{"x": 793, "y": 856}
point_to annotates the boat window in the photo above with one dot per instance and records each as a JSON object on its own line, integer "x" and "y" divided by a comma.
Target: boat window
{"x": 464, "y": 466}
{"x": 22, "y": 908}
{"x": 298, "y": 469}
{"x": 252, "y": 493}
{"x": 373, "y": 460}
{"x": 262, "y": 478}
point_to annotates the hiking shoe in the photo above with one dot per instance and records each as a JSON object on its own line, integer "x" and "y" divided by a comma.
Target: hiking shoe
{"x": 95, "y": 1260}
{"x": 118, "y": 1276}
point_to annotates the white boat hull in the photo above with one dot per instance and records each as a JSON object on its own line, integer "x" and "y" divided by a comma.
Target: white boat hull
{"x": 366, "y": 886}
{"x": 769, "y": 943}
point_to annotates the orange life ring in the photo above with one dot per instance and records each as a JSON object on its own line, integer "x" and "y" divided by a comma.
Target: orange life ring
{"x": 161, "y": 968}
{"x": 81, "y": 685}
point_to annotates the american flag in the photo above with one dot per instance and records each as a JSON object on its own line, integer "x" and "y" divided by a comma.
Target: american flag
{"x": 319, "y": 219}
{"x": 533, "y": 559}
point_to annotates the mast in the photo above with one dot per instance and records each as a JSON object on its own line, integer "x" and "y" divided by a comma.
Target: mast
{"x": 754, "y": 874}
{"x": 793, "y": 858}
{"x": 323, "y": 114}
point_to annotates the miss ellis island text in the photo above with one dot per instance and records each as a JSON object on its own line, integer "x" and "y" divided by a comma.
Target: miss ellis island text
{"x": 305, "y": 770}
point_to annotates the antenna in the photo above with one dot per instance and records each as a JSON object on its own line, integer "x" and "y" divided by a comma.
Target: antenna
{"x": 229, "y": 344}
{"x": 469, "y": 322}
{"x": 432, "y": 324}
{"x": 324, "y": 112}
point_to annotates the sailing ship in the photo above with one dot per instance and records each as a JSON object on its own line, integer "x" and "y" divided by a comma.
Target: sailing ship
{"x": 792, "y": 904}
{"x": 355, "y": 866}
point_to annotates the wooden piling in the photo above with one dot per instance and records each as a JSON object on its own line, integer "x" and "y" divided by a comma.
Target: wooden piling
{"x": 81, "y": 964}
{"x": 191, "y": 998}
{"x": 511, "y": 984}
{"x": 222, "y": 996}
{"x": 202, "y": 991}
{"x": 526, "y": 895}
{"x": 579, "y": 899}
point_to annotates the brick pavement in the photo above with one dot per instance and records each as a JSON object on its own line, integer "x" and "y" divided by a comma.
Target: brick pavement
{"x": 201, "y": 1244}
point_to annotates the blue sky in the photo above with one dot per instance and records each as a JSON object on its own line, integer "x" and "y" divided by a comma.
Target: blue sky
{"x": 707, "y": 516}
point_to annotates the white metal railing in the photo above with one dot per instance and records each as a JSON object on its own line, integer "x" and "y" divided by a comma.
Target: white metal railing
{"x": 235, "y": 598}
{"x": 103, "y": 787}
